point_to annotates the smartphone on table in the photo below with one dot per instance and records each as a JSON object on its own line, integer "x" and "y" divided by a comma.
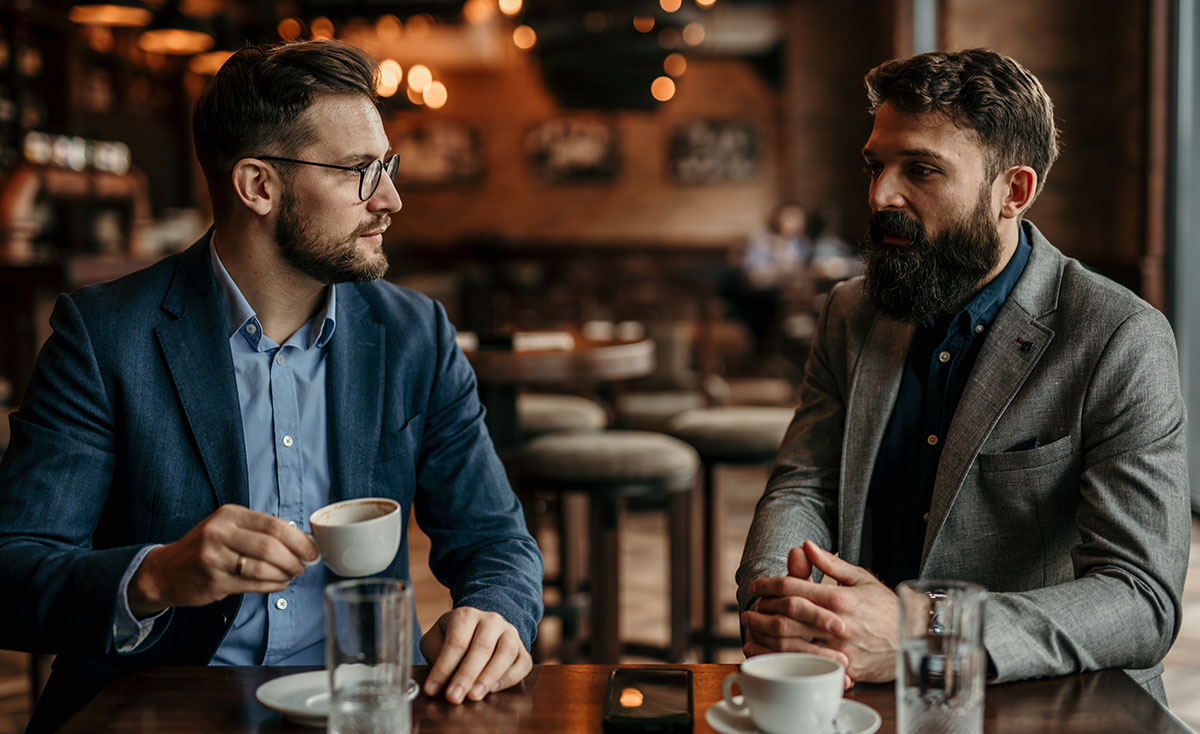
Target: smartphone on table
{"x": 648, "y": 701}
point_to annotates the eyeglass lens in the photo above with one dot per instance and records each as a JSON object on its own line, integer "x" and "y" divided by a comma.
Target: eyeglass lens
{"x": 373, "y": 173}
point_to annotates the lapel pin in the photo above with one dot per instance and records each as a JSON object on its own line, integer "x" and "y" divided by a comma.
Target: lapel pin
{"x": 1026, "y": 346}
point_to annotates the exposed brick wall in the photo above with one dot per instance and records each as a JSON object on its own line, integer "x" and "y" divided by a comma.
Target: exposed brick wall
{"x": 1092, "y": 59}
{"x": 641, "y": 205}
{"x": 831, "y": 45}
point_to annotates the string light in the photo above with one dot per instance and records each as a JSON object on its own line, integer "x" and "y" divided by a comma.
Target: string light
{"x": 662, "y": 88}
{"x": 643, "y": 23}
{"x": 693, "y": 34}
{"x": 289, "y": 29}
{"x": 435, "y": 95}
{"x": 675, "y": 64}
{"x": 419, "y": 77}
{"x": 524, "y": 37}
{"x": 510, "y": 7}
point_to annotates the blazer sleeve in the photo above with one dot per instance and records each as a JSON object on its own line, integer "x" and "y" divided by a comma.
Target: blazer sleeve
{"x": 54, "y": 485}
{"x": 800, "y": 500}
{"x": 480, "y": 548}
{"x": 1123, "y": 607}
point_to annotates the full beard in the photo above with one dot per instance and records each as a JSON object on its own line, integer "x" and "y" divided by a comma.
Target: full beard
{"x": 323, "y": 258}
{"x": 929, "y": 279}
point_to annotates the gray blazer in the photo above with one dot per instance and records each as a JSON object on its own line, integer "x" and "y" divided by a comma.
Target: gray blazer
{"x": 1083, "y": 540}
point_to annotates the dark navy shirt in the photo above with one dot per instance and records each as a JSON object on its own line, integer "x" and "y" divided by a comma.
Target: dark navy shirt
{"x": 939, "y": 362}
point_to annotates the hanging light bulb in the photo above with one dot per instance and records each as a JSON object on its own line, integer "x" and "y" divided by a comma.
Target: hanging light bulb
{"x": 114, "y": 14}
{"x": 176, "y": 34}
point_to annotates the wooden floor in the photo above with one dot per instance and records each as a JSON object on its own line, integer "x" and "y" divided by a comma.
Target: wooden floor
{"x": 643, "y": 600}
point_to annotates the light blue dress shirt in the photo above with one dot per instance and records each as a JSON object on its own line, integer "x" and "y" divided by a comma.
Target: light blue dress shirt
{"x": 281, "y": 390}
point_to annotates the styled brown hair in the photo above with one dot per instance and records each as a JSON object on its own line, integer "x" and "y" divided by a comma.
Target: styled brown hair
{"x": 255, "y": 104}
{"x": 979, "y": 90}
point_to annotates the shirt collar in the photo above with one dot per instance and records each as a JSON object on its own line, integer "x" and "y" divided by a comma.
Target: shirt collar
{"x": 987, "y": 302}
{"x": 239, "y": 316}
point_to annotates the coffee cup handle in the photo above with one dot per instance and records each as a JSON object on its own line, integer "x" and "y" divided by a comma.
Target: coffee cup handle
{"x": 727, "y": 692}
{"x": 316, "y": 560}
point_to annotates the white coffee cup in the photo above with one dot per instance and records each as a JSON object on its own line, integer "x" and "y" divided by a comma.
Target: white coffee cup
{"x": 788, "y": 691}
{"x": 357, "y": 537}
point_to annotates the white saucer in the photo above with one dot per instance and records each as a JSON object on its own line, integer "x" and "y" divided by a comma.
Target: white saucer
{"x": 852, "y": 718}
{"x": 304, "y": 697}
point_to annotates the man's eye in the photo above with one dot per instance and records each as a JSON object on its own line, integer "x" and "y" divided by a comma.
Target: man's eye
{"x": 919, "y": 171}
{"x": 872, "y": 169}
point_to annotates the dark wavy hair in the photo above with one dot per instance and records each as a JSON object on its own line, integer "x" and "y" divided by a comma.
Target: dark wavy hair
{"x": 979, "y": 90}
{"x": 255, "y": 104}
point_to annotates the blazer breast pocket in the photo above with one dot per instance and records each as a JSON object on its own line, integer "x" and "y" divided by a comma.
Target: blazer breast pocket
{"x": 1042, "y": 456}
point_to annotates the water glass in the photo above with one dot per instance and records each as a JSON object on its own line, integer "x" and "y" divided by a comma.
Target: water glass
{"x": 368, "y": 652}
{"x": 941, "y": 666}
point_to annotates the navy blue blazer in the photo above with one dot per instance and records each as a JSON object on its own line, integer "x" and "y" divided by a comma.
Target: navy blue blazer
{"x": 130, "y": 433}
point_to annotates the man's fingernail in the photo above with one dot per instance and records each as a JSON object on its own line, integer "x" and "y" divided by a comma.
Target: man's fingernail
{"x": 478, "y": 691}
{"x": 431, "y": 688}
{"x": 455, "y": 693}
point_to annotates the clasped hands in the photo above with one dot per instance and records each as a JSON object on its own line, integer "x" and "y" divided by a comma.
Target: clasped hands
{"x": 236, "y": 550}
{"x": 854, "y": 622}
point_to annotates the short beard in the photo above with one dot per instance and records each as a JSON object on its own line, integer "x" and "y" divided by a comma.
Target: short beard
{"x": 313, "y": 255}
{"x": 927, "y": 280}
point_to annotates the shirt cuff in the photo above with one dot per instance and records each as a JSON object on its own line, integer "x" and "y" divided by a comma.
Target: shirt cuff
{"x": 130, "y": 633}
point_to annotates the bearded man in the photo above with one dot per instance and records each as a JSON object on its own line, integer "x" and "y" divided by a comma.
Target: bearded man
{"x": 977, "y": 407}
{"x": 183, "y": 422}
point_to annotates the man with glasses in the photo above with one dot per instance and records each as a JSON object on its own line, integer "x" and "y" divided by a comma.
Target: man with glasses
{"x": 183, "y": 422}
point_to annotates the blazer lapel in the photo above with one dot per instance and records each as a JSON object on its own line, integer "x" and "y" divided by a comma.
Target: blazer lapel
{"x": 354, "y": 377}
{"x": 1012, "y": 349}
{"x": 873, "y": 392}
{"x": 195, "y": 345}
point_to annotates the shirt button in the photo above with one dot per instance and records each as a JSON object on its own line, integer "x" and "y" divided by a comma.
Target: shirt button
{"x": 287, "y": 441}
{"x": 932, "y": 440}
{"x": 251, "y": 329}
{"x": 925, "y": 517}
{"x": 944, "y": 357}
{"x": 280, "y": 360}
{"x": 291, "y": 523}
{"x": 281, "y": 603}
{"x": 979, "y": 328}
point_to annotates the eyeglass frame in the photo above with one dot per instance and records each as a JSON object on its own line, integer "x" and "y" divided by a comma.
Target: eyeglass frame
{"x": 361, "y": 170}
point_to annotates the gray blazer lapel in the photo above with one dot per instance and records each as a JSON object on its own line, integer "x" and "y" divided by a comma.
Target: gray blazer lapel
{"x": 1010, "y": 352}
{"x": 876, "y": 382}
{"x": 355, "y": 380}
{"x": 195, "y": 345}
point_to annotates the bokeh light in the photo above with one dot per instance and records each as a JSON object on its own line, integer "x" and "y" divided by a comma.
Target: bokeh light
{"x": 675, "y": 64}
{"x": 662, "y": 88}
{"x": 524, "y": 37}
{"x": 510, "y": 7}
{"x": 289, "y": 29}
{"x": 693, "y": 34}
{"x": 419, "y": 77}
{"x": 643, "y": 23}
{"x": 322, "y": 28}
{"x": 436, "y": 95}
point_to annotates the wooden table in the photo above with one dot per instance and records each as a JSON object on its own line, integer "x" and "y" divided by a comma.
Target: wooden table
{"x": 565, "y": 699}
{"x": 502, "y": 372}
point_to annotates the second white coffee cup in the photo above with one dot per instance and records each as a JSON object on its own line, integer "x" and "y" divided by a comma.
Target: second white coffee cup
{"x": 357, "y": 537}
{"x": 788, "y": 692}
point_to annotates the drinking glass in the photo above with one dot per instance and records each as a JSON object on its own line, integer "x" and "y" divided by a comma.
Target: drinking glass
{"x": 368, "y": 652}
{"x": 941, "y": 666}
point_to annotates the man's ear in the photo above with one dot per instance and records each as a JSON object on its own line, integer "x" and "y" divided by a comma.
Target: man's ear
{"x": 256, "y": 185}
{"x": 1020, "y": 185}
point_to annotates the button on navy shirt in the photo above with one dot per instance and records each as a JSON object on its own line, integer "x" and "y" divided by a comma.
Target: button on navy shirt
{"x": 939, "y": 362}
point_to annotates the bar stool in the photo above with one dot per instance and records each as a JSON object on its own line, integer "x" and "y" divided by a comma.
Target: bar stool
{"x": 729, "y": 435}
{"x": 605, "y": 469}
{"x": 539, "y": 413}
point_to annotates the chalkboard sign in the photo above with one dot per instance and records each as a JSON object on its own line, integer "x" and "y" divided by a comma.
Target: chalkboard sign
{"x": 441, "y": 153}
{"x": 714, "y": 151}
{"x": 573, "y": 149}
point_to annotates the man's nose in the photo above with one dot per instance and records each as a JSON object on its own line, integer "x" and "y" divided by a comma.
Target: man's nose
{"x": 386, "y": 197}
{"x": 885, "y": 193}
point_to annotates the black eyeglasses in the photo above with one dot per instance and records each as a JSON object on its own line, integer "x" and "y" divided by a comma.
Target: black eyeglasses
{"x": 369, "y": 174}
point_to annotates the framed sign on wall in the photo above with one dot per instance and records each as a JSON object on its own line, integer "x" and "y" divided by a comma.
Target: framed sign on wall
{"x": 442, "y": 153}
{"x": 576, "y": 149}
{"x": 713, "y": 152}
